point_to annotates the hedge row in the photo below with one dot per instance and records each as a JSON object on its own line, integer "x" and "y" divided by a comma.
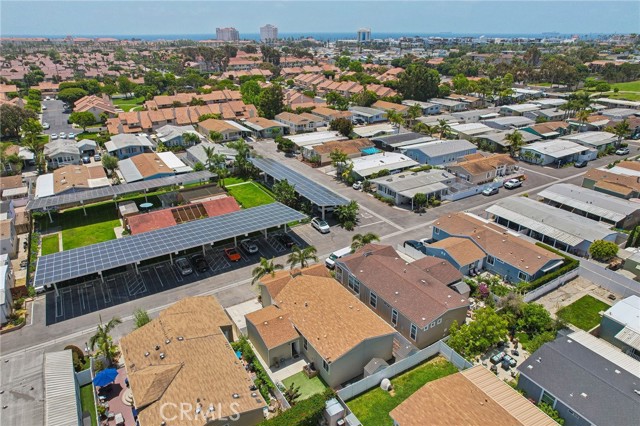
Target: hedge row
{"x": 570, "y": 265}
{"x": 307, "y": 412}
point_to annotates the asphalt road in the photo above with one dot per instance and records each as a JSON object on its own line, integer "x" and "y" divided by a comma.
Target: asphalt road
{"x": 56, "y": 118}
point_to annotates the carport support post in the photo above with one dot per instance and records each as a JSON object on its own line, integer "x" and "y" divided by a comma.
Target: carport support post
{"x": 145, "y": 196}
{"x": 135, "y": 266}
{"x": 235, "y": 241}
{"x": 55, "y": 287}
{"x": 171, "y": 258}
{"x": 322, "y": 209}
{"x": 203, "y": 250}
{"x": 83, "y": 209}
{"x": 265, "y": 233}
{"x": 101, "y": 277}
{"x": 50, "y": 218}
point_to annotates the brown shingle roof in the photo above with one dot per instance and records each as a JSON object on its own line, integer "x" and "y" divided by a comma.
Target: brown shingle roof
{"x": 486, "y": 164}
{"x": 444, "y": 271}
{"x": 75, "y": 176}
{"x": 352, "y": 146}
{"x": 198, "y": 362}
{"x": 462, "y": 250}
{"x": 606, "y": 179}
{"x": 273, "y": 325}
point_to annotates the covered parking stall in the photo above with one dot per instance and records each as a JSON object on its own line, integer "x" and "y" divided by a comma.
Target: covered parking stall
{"x": 317, "y": 194}
{"x": 99, "y": 258}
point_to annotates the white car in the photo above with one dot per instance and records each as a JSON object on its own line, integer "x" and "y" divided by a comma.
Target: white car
{"x": 45, "y": 126}
{"x": 54, "y": 136}
{"x": 44, "y": 107}
{"x": 320, "y": 225}
{"x": 47, "y": 98}
{"x": 622, "y": 151}
{"x": 513, "y": 183}
{"x": 357, "y": 186}
{"x": 71, "y": 136}
{"x": 62, "y": 135}
{"x": 249, "y": 246}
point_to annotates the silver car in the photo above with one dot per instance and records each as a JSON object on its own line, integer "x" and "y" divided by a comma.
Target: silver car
{"x": 320, "y": 225}
{"x": 249, "y": 246}
{"x": 184, "y": 266}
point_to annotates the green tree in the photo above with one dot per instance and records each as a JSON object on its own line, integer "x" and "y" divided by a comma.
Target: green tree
{"x": 215, "y": 136}
{"x": 32, "y": 129}
{"x": 534, "y": 319}
{"x": 266, "y": 267}
{"x": 140, "y": 318}
{"x": 271, "y": 101}
{"x": 109, "y": 162}
{"x": 292, "y": 393}
{"x": 461, "y": 84}
{"x": 342, "y": 125}
{"x": 423, "y": 128}
{"x": 208, "y": 116}
{"x": 355, "y": 66}
{"x": 395, "y": 118}
{"x": 347, "y": 214}
{"x": 549, "y": 411}
{"x": 418, "y": 82}
{"x": 110, "y": 89}
{"x": 12, "y": 118}
{"x": 103, "y": 341}
{"x": 216, "y": 163}
{"x": 285, "y": 193}
{"x": 70, "y": 96}
{"x": 250, "y": 92}
{"x": 621, "y": 130}
{"x": 245, "y": 168}
{"x": 198, "y": 167}
{"x": 366, "y": 98}
{"x": 190, "y": 138}
{"x": 285, "y": 145}
{"x": 337, "y": 101}
{"x": 301, "y": 257}
{"x": 82, "y": 119}
{"x": 603, "y": 250}
{"x": 125, "y": 86}
{"x": 444, "y": 129}
{"x": 361, "y": 240}
{"x": 413, "y": 112}
{"x": 486, "y": 330}
{"x": 516, "y": 141}
{"x": 419, "y": 201}
{"x": 338, "y": 158}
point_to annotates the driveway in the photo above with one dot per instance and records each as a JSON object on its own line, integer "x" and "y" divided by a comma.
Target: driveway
{"x": 56, "y": 118}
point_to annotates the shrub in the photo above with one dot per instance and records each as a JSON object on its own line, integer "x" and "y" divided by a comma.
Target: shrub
{"x": 18, "y": 303}
{"x": 549, "y": 411}
{"x": 570, "y": 265}
{"x": 307, "y": 412}
{"x": 603, "y": 250}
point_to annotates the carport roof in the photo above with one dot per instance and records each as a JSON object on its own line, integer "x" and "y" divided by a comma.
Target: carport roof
{"x": 99, "y": 257}
{"x": 312, "y": 191}
{"x": 112, "y": 191}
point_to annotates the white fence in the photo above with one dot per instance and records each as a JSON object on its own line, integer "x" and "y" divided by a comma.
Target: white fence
{"x": 612, "y": 281}
{"x": 374, "y": 380}
{"x": 550, "y": 286}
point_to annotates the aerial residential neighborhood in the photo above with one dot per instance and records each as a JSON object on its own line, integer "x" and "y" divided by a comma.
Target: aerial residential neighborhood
{"x": 363, "y": 214}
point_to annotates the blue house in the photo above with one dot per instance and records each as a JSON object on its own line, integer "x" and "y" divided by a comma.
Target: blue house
{"x": 505, "y": 254}
{"x": 438, "y": 153}
{"x": 127, "y": 145}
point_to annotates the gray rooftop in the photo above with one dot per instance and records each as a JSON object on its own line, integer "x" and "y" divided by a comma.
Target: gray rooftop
{"x": 438, "y": 148}
{"x": 556, "y": 223}
{"x": 366, "y": 111}
{"x": 125, "y": 140}
{"x": 402, "y": 139}
{"x": 592, "y": 386}
{"x": 169, "y": 132}
{"x": 515, "y": 121}
{"x": 412, "y": 183}
{"x": 597, "y": 203}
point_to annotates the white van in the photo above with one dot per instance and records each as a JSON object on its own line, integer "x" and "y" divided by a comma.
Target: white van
{"x": 330, "y": 262}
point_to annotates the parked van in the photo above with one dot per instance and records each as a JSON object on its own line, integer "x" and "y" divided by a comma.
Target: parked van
{"x": 330, "y": 262}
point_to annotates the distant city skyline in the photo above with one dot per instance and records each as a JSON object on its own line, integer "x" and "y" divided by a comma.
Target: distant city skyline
{"x": 61, "y": 18}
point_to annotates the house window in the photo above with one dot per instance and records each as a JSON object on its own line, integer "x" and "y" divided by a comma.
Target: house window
{"x": 305, "y": 344}
{"x": 373, "y": 300}
{"x": 548, "y": 398}
{"x": 354, "y": 284}
{"x": 436, "y": 230}
{"x": 394, "y": 317}
{"x": 439, "y": 321}
{"x": 522, "y": 276}
{"x": 433, "y": 324}
{"x": 339, "y": 274}
{"x": 325, "y": 365}
{"x": 490, "y": 260}
{"x": 414, "y": 332}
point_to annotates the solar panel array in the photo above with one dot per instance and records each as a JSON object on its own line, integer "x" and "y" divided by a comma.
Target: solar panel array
{"x": 312, "y": 191}
{"x": 99, "y": 257}
{"x": 111, "y": 191}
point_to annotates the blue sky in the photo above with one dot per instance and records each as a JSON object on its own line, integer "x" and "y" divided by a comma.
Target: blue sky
{"x": 142, "y": 17}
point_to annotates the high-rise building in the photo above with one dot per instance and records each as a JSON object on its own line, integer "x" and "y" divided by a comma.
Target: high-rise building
{"x": 364, "y": 35}
{"x": 268, "y": 33}
{"x": 227, "y": 34}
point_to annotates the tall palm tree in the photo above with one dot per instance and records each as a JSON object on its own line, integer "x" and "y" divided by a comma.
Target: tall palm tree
{"x": 302, "y": 256}
{"x": 395, "y": 118}
{"x": 266, "y": 267}
{"x": 360, "y": 240}
{"x": 444, "y": 129}
{"x": 621, "y": 130}
{"x": 413, "y": 113}
{"x": 515, "y": 142}
{"x": 103, "y": 340}
{"x": 582, "y": 117}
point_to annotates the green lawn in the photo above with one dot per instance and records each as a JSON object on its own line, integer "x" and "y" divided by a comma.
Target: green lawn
{"x": 50, "y": 244}
{"x": 631, "y": 86}
{"x": 373, "y": 407}
{"x": 88, "y": 404}
{"x": 626, "y": 96}
{"x": 232, "y": 180}
{"x": 128, "y": 104}
{"x": 250, "y": 195}
{"x": 308, "y": 387}
{"x": 583, "y": 313}
{"x": 79, "y": 230}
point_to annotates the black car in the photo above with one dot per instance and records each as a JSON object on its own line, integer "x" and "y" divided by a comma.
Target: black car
{"x": 580, "y": 164}
{"x": 414, "y": 244}
{"x": 199, "y": 263}
{"x": 285, "y": 240}
{"x": 86, "y": 159}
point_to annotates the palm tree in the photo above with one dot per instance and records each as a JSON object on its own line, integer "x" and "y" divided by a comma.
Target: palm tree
{"x": 395, "y": 118}
{"x": 420, "y": 127}
{"x": 103, "y": 340}
{"x": 515, "y": 142}
{"x": 621, "y": 130}
{"x": 360, "y": 240}
{"x": 302, "y": 256}
{"x": 414, "y": 112}
{"x": 444, "y": 129}
{"x": 582, "y": 117}
{"x": 266, "y": 267}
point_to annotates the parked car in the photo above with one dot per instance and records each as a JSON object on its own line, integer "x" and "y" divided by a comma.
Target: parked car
{"x": 71, "y": 135}
{"x": 232, "y": 254}
{"x": 497, "y": 358}
{"x": 199, "y": 263}
{"x": 622, "y": 151}
{"x": 54, "y": 136}
{"x": 97, "y": 157}
{"x": 47, "y": 98}
{"x": 44, "y": 107}
{"x": 249, "y": 246}
{"x": 490, "y": 191}
{"x": 183, "y": 266}
{"x": 580, "y": 164}
{"x": 46, "y": 126}
{"x": 320, "y": 225}
{"x": 62, "y": 135}
{"x": 86, "y": 159}
{"x": 513, "y": 183}
{"x": 357, "y": 185}
{"x": 413, "y": 244}
{"x": 285, "y": 240}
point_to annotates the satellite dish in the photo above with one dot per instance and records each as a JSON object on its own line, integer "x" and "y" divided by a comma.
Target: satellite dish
{"x": 385, "y": 384}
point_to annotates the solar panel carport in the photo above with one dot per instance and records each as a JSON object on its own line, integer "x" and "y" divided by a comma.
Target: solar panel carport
{"x": 96, "y": 258}
{"x": 305, "y": 187}
{"x": 116, "y": 190}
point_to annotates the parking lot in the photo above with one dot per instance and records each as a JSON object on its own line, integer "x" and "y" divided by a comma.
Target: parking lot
{"x": 56, "y": 118}
{"x": 82, "y": 298}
